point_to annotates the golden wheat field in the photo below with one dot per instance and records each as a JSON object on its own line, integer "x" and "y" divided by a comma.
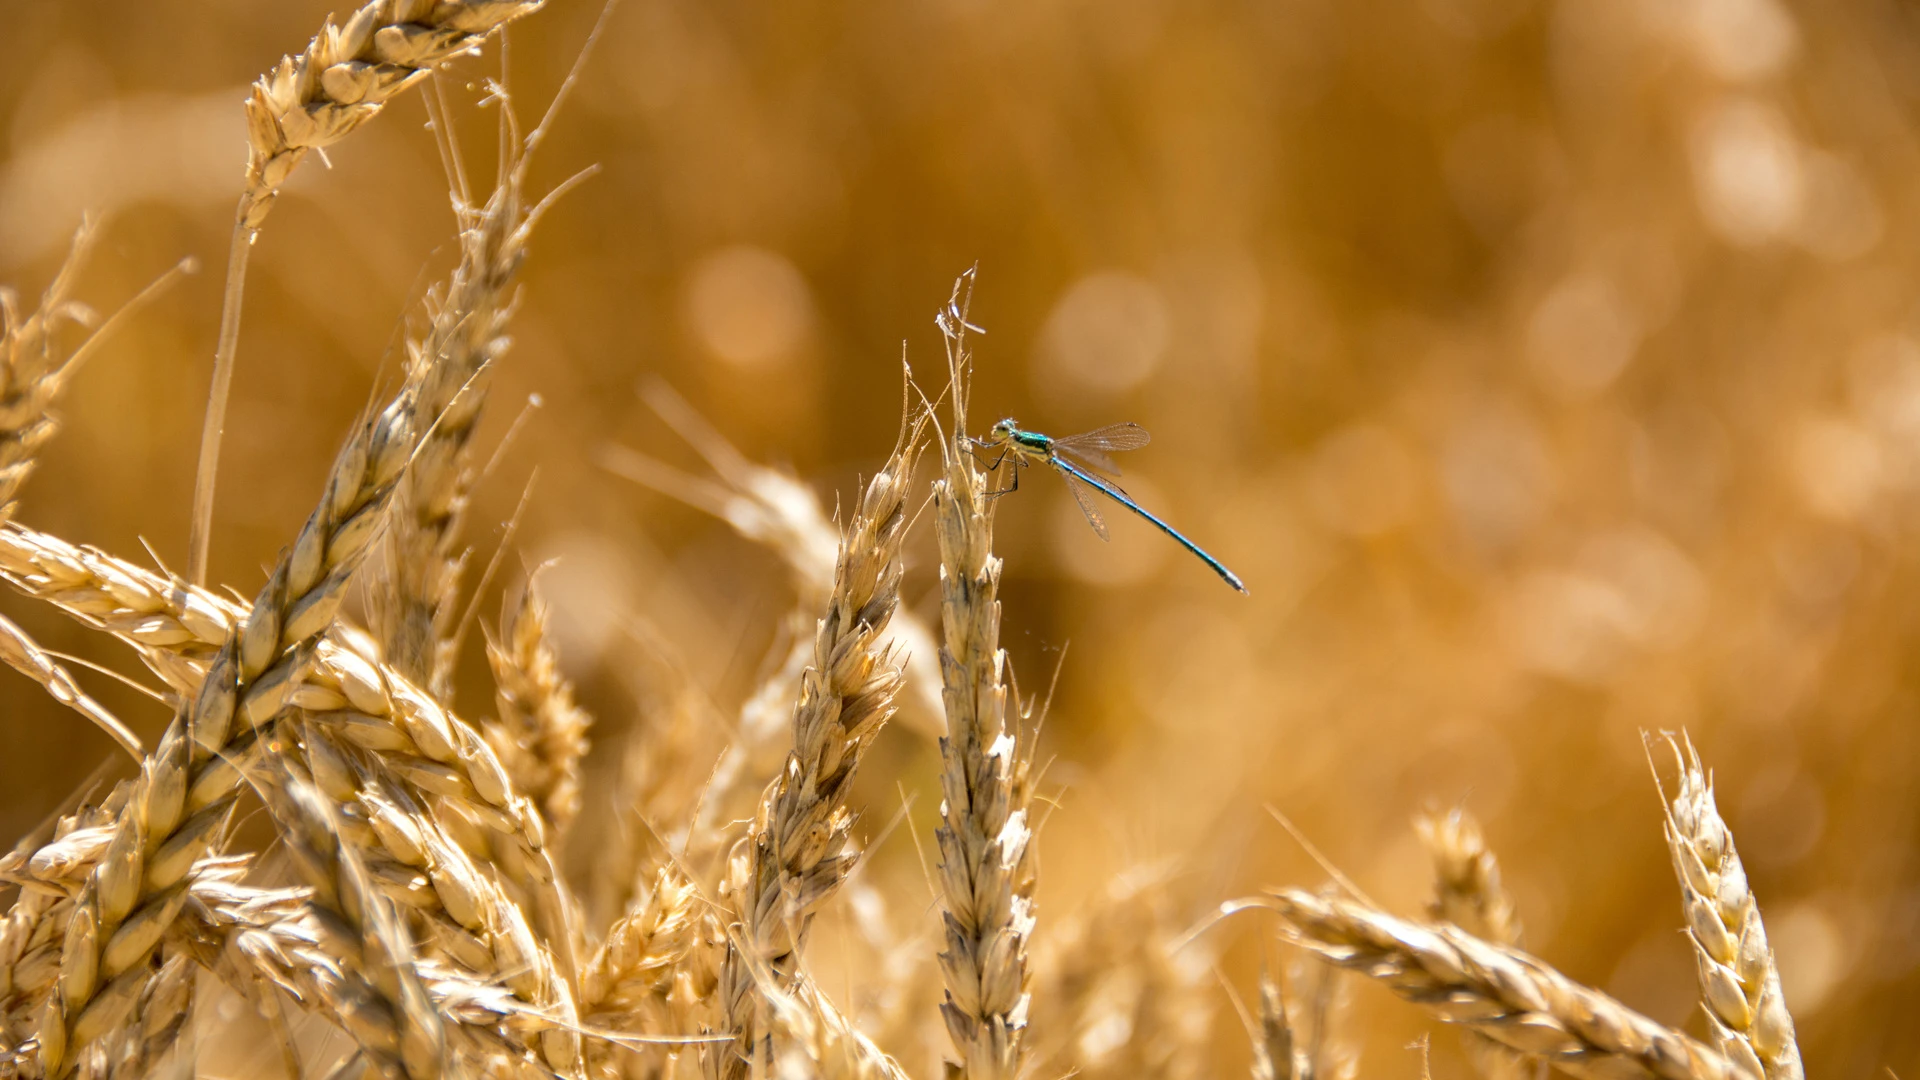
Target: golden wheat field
{"x": 605, "y": 642}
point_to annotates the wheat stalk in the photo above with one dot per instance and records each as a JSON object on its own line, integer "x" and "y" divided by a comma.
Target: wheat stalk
{"x": 1738, "y": 980}
{"x": 798, "y": 853}
{"x": 987, "y": 875}
{"x": 1500, "y": 992}
{"x": 541, "y": 734}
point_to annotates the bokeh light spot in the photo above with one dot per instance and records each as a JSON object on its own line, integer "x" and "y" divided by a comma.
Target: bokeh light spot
{"x": 1581, "y": 336}
{"x": 749, "y": 306}
{"x": 1747, "y": 172}
{"x": 1107, "y": 334}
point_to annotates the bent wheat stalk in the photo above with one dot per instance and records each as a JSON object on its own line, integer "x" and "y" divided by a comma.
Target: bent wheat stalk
{"x": 1500, "y": 992}
{"x": 1738, "y": 980}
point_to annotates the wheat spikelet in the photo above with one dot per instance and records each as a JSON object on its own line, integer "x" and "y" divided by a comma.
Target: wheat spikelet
{"x": 797, "y": 853}
{"x": 1468, "y": 894}
{"x": 541, "y": 734}
{"x": 1501, "y": 993}
{"x": 179, "y": 803}
{"x": 1738, "y": 980}
{"x": 348, "y": 72}
{"x": 987, "y": 875}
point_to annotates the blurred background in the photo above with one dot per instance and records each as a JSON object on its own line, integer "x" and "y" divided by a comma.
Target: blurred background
{"x": 1549, "y": 369}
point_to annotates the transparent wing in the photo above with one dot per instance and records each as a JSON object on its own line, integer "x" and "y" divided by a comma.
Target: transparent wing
{"x": 1082, "y": 495}
{"x": 1112, "y": 437}
{"x": 1091, "y": 446}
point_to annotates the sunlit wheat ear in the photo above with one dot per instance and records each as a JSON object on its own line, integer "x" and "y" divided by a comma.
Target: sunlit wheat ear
{"x": 541, "y": 734}
{"x": 626, "y": 983}
{"x": 349, "y": 71}
{"x": 987, "y": 872}
{"x": 175, "y": 810}
{"x": 416, "y": 845}
{"x": 344, "y": 686}
{"x": 800, "y": 847}
{"x": 1738, "y": 980}
{"x": 1468, "y": 893}
{"x": 378, "y": 995}
{"x": 414, "y": 602}
{"x": 1500, "y": 992}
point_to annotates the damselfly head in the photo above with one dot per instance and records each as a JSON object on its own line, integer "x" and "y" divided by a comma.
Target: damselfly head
{"x": 1003, "y": 430}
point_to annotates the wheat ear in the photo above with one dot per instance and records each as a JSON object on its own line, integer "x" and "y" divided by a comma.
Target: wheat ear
{"x": 1501, "y": 993}
{"x": 1273, "y": 1050}
{"x": 987, "y": 874}
{"x": 178, "y": 805}
{"x": 1468, "y": 894}
{"x": 34, "y": 371}
{"x": 375, "y": 993}
{"x": 541, "y": 734}
{"x": 176, "y": 627}
{"x": 1738, "y": 980}
{"x": 1120, "y": 986}
{"x": 348, "y": 72}
{"x": 411, "y": 854}
{"x": 798, "y": 851}
{"x": 413, "y": 610}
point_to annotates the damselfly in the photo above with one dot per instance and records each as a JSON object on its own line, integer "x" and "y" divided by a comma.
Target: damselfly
{"x": 1091, "y": 449}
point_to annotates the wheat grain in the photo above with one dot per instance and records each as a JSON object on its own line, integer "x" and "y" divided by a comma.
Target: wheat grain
{"x": 797, "y": 852}
{"x": 1739, "y": 983}
{"x": 1501, "y": 993}
{"x": 987, "y": 876}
